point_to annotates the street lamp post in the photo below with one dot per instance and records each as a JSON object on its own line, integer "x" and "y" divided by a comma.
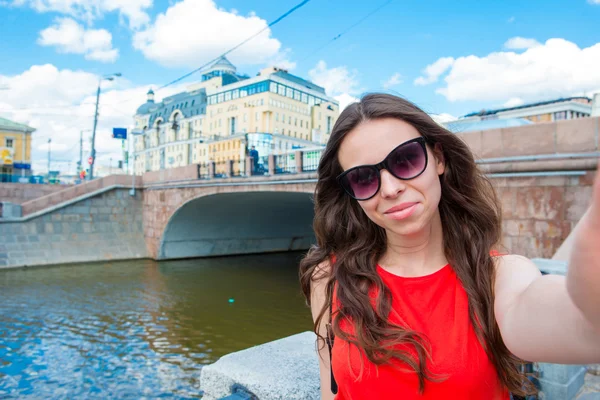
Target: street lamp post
{"x": 49, "y": 157}
{"x": 93, "y": 155}
{"x": 133, "y": 132}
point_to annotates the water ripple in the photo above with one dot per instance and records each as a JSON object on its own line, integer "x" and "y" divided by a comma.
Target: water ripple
{"x": 135, "y": 330}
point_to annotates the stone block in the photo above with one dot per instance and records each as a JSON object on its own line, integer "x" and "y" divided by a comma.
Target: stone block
{"x": 577, "y": 135}
{"x": 56, "y": 217}
{"x": 560, "y": 382}
{"x": 21, "y": 238}
{"x": 540, "y": 203}
{"x": 284, "y": 369}
{"x": 67, "y": 227}
{"x": 517, "y": 227}
{"x": 491, "y": 144}
{"x": 78, "y": 209}
{"x": 57, "y": 227}
{"x": 34, "y": 238}
{"x": 529, "y": 139}
{"x": 589, "y": 396}
{"x": 577, "y": 200}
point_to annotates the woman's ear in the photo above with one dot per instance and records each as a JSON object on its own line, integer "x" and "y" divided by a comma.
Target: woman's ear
{"x": 440, "y": 161}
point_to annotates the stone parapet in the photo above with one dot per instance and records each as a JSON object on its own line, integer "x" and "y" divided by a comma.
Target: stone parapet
{"x": 73, "y": 192}
{"x": 19, "y": 193}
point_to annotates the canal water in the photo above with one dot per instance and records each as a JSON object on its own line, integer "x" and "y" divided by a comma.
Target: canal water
{"x": 139, "y": 329}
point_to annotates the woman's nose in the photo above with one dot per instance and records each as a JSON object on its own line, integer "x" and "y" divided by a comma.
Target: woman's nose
{"x": 390, "y": 185}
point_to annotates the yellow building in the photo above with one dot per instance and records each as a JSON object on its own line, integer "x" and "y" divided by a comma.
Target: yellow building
{"x": 219, "y": 119}
{"x": 15, "y": 150}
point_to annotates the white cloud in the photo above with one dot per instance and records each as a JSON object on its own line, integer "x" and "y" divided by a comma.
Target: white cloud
{"x": 282, "y": 60}
{"x": 336, "y": 81}
{"x": 594, "y": 1}
{"x": 70, "y": 37}
{"x": 514, "y": 102}
{"x": 393, "y": 80}
{"x": 434, "y": 71}
{"x": 60, "y": 104}
{"x": 192, "y": 32}
{"x": 90, "y": 10}
{"x": 442, "y": 118}
{"x": 519, "y": 43}
{"x": 554, "y": 69}
{"x": 345, "y": 100}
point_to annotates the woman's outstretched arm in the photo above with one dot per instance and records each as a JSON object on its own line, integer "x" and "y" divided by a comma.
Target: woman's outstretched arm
{"x": 548, "y": 318}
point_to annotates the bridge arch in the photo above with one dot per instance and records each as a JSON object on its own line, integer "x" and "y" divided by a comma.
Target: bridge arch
{"x": 239, "y": 223}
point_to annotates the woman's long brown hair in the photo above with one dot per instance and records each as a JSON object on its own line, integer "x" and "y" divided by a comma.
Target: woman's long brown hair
{"x": 471, "y": 223}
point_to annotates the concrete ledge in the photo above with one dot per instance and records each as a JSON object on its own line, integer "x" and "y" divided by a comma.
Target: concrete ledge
{"x": 553, "y": 267}
{"x": 286, "y": 369}
{"x": 560, "y": 382}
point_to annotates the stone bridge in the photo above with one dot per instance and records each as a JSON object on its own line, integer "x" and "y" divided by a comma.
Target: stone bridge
{"x": 542, "y": 173}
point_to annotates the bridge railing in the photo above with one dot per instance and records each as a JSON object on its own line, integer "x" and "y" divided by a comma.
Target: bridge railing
{"x": 291, "y": 162}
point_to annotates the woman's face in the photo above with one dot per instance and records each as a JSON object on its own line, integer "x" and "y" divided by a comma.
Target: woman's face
{"x": 403, "y": 207}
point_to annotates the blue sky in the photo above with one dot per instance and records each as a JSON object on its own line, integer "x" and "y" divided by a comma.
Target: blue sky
{"x": 448, "y": 57}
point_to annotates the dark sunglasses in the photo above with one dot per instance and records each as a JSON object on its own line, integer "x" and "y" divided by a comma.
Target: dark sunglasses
{"x": 407, "y": 161}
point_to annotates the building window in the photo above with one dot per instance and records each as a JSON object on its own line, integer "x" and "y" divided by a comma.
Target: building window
{"x": 304, "y": 98}
{"x": 558, "y": 116}
{"x": 227, "y": 96}
{"x": 193, "y": 101}
{"x": 281, "y": 90}
{"x": 273, "y": 87}
{"x": 10, "y": 143}
{"x": 296, "y": 95}
{"x": 290, "y": 120}
{"x": 232, "y": 125}
{"x": 277, "y": 117}
{"x": 235, "y": 94}
{"x": 256, "y": 116}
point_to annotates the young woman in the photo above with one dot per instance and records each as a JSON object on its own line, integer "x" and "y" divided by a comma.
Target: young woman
{"x": 420, "y": 304}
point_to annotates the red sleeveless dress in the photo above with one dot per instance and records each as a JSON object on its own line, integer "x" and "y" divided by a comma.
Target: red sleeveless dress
{"x": 435, "y": 305}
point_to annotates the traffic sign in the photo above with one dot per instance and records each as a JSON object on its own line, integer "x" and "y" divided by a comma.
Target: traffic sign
{"x": 119, "y": 133}
{"x": 90, "y": 159}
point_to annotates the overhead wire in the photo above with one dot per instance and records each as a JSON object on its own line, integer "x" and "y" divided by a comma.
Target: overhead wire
{"x": 354, "y": 25}
{"x": 274, "y": 22}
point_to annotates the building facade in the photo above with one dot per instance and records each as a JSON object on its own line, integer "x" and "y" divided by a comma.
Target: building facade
{"x": 15, "y": 150}
{"x": 221, "y": 117}
{"x": 545, "y": 111}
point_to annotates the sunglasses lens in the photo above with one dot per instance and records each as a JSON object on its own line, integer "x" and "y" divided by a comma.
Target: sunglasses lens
{"x": 407, "y": 161}
{"x": 361, "y": 182}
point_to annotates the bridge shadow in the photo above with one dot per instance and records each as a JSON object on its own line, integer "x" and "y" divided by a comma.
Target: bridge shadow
{"x": 239, "y": 223}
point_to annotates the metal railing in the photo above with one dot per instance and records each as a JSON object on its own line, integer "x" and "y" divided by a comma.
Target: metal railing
{"x": 285, "y": 163}
{"x": 35, "y": 179}
{"x": 310, "y": 160}
{"x": 204, "y": 171}
{"x": 238, "y": 168}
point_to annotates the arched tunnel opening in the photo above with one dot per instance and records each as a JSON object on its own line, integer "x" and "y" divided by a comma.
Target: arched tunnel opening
{"x": 239, "y": 223}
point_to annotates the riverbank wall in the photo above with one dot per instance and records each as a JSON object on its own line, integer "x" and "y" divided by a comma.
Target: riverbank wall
{"x": 107, "y": 225}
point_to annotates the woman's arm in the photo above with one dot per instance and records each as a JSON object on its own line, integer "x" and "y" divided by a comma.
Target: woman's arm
{"x": 318, "y": 299}
{"x": 552, "y": 318}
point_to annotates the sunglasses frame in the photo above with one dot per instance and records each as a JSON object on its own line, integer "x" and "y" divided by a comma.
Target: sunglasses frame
{"x": 383, "y": 165}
